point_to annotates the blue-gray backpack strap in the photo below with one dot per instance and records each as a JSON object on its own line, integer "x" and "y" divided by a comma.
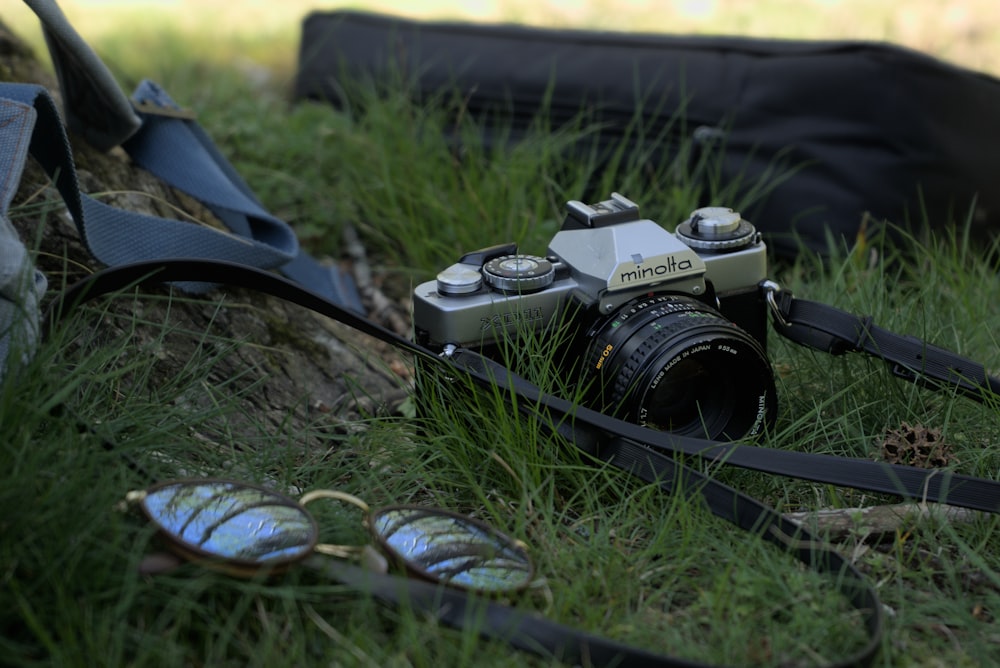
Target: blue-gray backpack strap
{"x": 171, "y": 145}
{"x": 21, "y": 286}
{"x": 116, "y": 236}
{"x": 96, "y": 109}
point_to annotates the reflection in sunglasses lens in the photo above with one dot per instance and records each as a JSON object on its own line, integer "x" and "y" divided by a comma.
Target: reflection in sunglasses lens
{"x": 453, "y": 549}
{"x": 232, "y": 521}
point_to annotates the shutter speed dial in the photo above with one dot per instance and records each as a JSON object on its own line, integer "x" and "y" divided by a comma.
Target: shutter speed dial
{"x": 518, "y": 273}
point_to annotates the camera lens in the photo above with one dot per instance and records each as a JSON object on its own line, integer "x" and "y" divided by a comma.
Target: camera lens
{"x": 673, "y": 363}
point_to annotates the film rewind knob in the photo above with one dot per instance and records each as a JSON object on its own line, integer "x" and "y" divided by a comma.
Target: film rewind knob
{"x": 716, "y": 229}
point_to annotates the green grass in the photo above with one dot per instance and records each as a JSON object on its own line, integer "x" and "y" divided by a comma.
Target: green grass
{"x": 613, "y": 556}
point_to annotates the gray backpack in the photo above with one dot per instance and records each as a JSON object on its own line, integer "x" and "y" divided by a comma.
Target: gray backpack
{"x": 21, "y": 285}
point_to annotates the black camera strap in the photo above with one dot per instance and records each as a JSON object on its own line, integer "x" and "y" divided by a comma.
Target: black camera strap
{"x": 594, "y": 431}
{"x": 647, "y": 454}
{"x": 833, "y": 331}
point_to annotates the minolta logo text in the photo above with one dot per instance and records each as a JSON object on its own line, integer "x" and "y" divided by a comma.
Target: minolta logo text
{"x": 654, "y": 271}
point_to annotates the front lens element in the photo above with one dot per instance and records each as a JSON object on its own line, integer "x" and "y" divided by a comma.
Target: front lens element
{"x": 673, "y": 363}
{"x": 679, "y": 401}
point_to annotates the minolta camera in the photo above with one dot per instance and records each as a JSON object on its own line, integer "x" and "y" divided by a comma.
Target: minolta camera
{"x": 667, "y": 330}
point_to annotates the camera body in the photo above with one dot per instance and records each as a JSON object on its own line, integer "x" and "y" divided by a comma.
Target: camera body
{"x": 654, "y": 315}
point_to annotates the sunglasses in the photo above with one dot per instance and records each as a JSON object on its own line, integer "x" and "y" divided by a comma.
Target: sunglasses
{"x": 244, "y": 529}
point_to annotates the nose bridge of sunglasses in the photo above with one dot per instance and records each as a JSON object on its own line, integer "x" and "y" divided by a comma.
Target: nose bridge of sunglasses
{"x": 368, "y": 556}
{"x": 309, "y": 497}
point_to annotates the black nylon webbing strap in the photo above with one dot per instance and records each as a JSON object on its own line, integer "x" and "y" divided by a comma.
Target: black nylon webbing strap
{"x": 579, "y": 423}
{"x": 834, "y": 331}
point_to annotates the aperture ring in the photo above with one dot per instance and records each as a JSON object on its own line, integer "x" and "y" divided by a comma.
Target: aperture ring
{"x": 616, "y": 336}
{"x": 673, "y": 362}
{"x": 645, "y": 355}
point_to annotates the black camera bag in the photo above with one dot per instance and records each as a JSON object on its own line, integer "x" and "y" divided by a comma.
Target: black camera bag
{"x": 862, "y": 128}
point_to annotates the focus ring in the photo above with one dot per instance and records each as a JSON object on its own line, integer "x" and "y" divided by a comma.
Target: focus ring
{"x": 613, "y": 337}
{"x": 644, "y": 354}
{"x": 672, "y": 362}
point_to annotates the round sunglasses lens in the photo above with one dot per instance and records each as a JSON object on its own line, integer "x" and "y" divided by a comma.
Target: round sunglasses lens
{"x": 232, "y": 521}
{"x": 452, "y": 549}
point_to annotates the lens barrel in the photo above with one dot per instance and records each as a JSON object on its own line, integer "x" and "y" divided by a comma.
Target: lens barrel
{"x": 673, "y": 363}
